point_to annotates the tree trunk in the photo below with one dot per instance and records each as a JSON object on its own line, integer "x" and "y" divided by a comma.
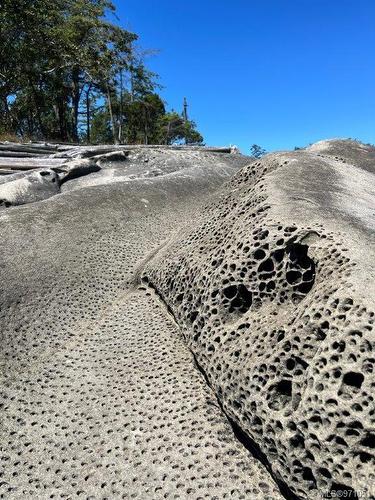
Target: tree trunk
{"x": 146, "y": 126}
{"x": 7, "y": 115}
{"x": 62, "y": 118}
{"x": 131, "y": 87}
{"x": 121, "y": 109}
{"x": 61, "y": 106}
{"x": 88, "y": 115}
{"x": 168, "y": 133}
{"x": 113, "y": 126}
{"x": 37, "y": 104}
{"x": 30, "y": 125}
{"x": 75, "y": 102}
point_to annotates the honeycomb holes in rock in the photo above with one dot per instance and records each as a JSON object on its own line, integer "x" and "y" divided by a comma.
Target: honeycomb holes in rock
{"x": 219, "y": 302}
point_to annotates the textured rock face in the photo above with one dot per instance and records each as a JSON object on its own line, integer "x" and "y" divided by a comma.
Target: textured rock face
{"x": 18, "y": 189}
{"x": 100, "y": 397}
{"x": 30, "y": 173}
{"x": 273, "y": 287}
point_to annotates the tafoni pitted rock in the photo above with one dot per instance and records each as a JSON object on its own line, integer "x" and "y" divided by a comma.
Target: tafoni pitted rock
{"x": 187, "y": 322}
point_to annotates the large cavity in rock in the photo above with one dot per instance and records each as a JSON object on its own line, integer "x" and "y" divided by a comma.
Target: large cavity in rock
{"x": 274, "y": 288}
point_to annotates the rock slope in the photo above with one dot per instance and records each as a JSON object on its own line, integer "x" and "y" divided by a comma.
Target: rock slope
{"x": 273, "y": 287}
{"x": 187, "y": 323}
{"x": 100, "y": 396}
{"x": 34, "y": 172}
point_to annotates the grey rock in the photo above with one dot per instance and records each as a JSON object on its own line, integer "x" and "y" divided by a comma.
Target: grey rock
{"x": 77, "y": 168}
{"x": 100, "y": 396}
{"x": 39, "y": 184}
{"x": 166, "y": 260}
{"x": 273, "y": 286}
{"x": 21, "y": 188}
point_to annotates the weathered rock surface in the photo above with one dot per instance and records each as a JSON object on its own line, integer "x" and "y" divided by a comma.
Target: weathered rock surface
{"x": 118, "y": 164}
{"x": 273, "y": 287}
{"x": 258, "y": 358}
{"x": 20, "y": 188}
{"x": 100, "y": 396}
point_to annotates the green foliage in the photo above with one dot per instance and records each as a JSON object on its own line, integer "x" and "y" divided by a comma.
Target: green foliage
{"x": 174, "y": 129}
{"x": 142, "y": 119}
{"x": 68, "y": 74}
{"x": 257, "y": 151}
{"x": 100, "y": 132}
{"x": 192, "y": 136}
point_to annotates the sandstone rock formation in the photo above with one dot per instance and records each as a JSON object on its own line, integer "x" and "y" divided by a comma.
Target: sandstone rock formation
{"x": 21, "y": 188}
{"x": 28, "y": 172}
{"x": 100, "y": 397}
{"x": 188, "y": 323}
{"x": 274, "y": 290}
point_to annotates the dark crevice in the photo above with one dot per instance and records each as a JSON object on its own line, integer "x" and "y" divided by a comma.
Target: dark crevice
{"x": 251, "y": 446}
{"x": 258, "y": 454}
{"x": 148, "y": 283}
{"x": 78, "y": 172}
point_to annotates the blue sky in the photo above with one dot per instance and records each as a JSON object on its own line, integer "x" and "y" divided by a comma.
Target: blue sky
{"x": 279, "y": 73}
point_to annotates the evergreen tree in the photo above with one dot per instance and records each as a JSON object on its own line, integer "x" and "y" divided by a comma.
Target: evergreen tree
{"x": 68, "y": 74}
{"x": 173, "y": 129}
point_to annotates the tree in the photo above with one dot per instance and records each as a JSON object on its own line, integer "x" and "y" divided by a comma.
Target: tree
{"x": 143, "y": 117}
{"x": 100, "y": 129}
{"x": 68, "y": 74}
{"x": 171, "y": 128}
{"x": 174, "y": 129}
{"x": 257, "y": 151}
{"x": 192, "y": 136}
{"x": 51, "y": 53}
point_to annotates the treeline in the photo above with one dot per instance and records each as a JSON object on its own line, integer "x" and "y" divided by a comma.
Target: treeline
{"x": 67, "y": 73}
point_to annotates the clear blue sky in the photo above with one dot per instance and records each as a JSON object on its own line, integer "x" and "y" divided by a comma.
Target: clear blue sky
{"x": 279, "y": 73}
